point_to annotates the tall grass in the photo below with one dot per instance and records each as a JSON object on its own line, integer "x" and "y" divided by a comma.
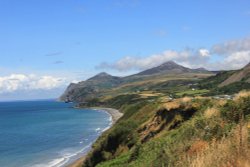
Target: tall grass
{"x": 231, "y": 151}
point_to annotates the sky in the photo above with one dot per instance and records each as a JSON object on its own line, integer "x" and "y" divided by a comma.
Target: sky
{"x": 46, "y": 44}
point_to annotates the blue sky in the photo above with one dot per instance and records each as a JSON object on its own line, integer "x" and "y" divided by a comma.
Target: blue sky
{"x": 74, "y": 39}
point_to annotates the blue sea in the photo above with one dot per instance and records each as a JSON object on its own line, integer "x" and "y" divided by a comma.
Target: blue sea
{"x": 47, "y": 133}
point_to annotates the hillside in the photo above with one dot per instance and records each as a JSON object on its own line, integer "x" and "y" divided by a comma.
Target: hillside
{"x": 90, "y": 88}
{"x": 155, "y": 78}
{"x": 241, "y": 75}
{"x": 227, "y": 82}
{"x": 200, "y": 132}
{"x": 166, "y": 120}
{"x": 168, "y": 79}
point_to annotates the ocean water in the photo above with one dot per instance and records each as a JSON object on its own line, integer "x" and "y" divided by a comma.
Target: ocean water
{"x": 47, "y": 133}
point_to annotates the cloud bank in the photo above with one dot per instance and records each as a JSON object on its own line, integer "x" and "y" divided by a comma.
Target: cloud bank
{"x": 22, "y": 82}
{"x": 232, "y": 54}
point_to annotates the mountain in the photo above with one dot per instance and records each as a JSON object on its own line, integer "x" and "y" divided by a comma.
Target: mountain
{"x": 201, "y": 69}
{"x": 170, "y": 67}
{"x": 157, "y": 125}
{"x": 103, "y": 80}
{"x": 242, "y": 75}
{"x": 102, "y": 83}
{"x": 89, "y": 88}
{"x": 103, "y": 76}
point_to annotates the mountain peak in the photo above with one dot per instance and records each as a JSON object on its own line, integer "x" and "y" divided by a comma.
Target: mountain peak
{"x": 167, "y": 67}
{"x": 201, "y": 69}
{"x": 103, "y": 74}
{"x": 100, "y": 75}
{"x": 168, "y": 63}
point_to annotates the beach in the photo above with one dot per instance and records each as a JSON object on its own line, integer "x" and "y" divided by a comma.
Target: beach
{"x": 115, "y": 114}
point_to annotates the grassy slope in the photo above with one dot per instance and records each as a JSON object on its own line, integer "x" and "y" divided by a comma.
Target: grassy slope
{"x": 181, "y": 85}
{"x": 177, "y": 133}
{"x": 155, "y": 132}
{"x": 211, "y": 83}
{"x": 160, "y": 86}
{"x": 168, "y": 84}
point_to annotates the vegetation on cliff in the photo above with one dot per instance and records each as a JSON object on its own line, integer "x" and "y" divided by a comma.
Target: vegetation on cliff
{"x": 173, "y": 116}
{"x": 182, "y": 132}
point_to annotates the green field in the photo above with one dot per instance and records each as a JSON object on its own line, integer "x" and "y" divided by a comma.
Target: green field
{"x": 191, "y": 92}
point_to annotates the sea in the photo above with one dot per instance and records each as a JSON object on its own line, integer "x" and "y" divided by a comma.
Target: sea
{"x": 47, "y": 133}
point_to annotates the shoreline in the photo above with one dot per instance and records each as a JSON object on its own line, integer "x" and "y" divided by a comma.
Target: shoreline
{"x": 115, "y": 114}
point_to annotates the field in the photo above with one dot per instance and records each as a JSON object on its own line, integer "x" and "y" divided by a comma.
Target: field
{"x": 194, "y": 92}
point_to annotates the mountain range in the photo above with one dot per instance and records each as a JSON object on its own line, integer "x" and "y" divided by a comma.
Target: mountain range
{"x": 165, "y": 120}
{"x": 169, "y": 76}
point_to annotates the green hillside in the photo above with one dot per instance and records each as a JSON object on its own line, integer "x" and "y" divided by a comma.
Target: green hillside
{"x": 173, "y": 116}
{"x": 215, "y": 87}
{"x": 181, "y": 132}
{"x": 167, "y": 78}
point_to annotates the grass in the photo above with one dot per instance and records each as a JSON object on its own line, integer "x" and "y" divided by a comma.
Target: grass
{"x": 160, "y": 85}
{"x": 192, "y": 92}
{"x": 146, "y": 94}
{"x": 169, "y": 121}
{"x": 229, "y": 151}
{"x": 184, "y": 132}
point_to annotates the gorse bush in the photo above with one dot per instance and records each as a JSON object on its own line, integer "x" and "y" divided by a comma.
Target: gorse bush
{"x": 234, "y": 110}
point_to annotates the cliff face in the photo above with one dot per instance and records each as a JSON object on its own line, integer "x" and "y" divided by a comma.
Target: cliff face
{"x": 182, "y": 132}
{"x": 90, "y": 88}
{"x": 69, "y": 91}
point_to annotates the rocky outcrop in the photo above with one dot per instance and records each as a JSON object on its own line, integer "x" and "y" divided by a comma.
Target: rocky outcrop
{"x": 90, "y": 88}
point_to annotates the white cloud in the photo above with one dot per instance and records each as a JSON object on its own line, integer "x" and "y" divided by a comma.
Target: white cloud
{"x": 191, "y": 58}
{"x": 204, "y": 52}
{"x": 19, "y": 82}
{"x": 231, "y": 46}
{"x": 233, "y": 54}
{"x": 238, "y": 59}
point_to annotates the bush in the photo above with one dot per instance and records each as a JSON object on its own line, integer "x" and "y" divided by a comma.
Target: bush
{"x": 235, "y": 110}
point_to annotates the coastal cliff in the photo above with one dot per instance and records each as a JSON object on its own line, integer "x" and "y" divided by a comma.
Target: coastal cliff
{"x": 170, "y": 118}
{"x": 180, "y": 132}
